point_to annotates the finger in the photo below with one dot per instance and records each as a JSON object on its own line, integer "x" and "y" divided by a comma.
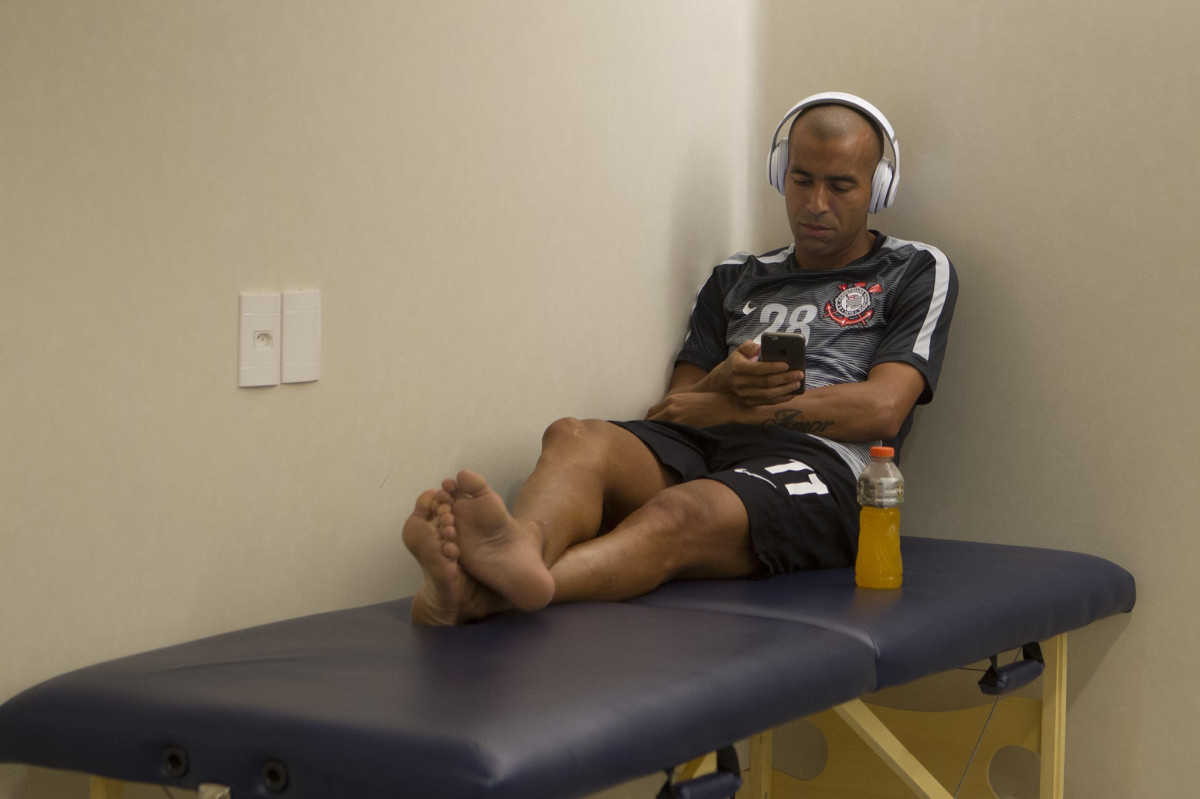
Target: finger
{"x": 780, "y": 378}
{"x": 750, "y": 349}
{"x": 755, "y": 384}
{"x": 755, "y": 371}
{"x": 768, "y": 395}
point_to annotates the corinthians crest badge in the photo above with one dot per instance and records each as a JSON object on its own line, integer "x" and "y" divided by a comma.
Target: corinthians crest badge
{"x": 853, "y": 305}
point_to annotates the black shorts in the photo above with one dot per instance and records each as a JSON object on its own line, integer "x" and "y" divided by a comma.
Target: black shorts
{"x": 799, "y": 495}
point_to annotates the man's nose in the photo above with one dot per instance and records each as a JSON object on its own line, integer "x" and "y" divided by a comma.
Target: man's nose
{"x": 818, "y": 199}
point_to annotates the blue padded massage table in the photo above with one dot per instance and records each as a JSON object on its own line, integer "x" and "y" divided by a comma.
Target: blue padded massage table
{"x": 564, "y": 702}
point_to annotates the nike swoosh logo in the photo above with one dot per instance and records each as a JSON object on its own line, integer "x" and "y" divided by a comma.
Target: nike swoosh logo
{"x": 752, "y": 474}
{"x": 747, "y": 310}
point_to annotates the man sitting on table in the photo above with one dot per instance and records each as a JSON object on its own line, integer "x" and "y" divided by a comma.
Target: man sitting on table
{"x": 732, "y": 473}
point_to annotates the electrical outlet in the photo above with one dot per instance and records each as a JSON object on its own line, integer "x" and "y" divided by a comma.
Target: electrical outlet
{"x": 259, "y": 325}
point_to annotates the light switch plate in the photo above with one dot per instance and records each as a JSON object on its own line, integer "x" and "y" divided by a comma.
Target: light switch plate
{"x": 301, "y": 336}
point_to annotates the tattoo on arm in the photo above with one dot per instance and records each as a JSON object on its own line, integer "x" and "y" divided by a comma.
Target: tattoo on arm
{"x": 792, "y": 420}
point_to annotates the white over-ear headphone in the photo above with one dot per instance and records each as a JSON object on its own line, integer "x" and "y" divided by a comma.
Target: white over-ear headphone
{"x": 887, "y": 173}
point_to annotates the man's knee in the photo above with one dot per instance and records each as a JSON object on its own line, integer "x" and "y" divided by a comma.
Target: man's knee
{"x": 566, "y": 429}
{"x": 571, "y": 433}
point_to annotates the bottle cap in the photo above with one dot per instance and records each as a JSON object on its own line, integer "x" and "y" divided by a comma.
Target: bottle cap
{"x": 882, "y": 452}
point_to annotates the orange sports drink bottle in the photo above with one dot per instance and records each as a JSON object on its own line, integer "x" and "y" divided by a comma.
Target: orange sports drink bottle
{"x": 880, "y": 493}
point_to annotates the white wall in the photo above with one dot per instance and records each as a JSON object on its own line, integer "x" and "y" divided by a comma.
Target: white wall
{"x": 428, "y": 164}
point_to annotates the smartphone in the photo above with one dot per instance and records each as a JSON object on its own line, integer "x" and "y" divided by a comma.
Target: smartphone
{"x": 789, "y": 347}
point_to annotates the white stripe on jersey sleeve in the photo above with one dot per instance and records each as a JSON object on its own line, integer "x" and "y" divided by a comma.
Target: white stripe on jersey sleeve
{"x": 739, "y": 257}
{"x": 778, "y": 256}
{"x": 941, "y": 285}
{"x": 771, "y": 257}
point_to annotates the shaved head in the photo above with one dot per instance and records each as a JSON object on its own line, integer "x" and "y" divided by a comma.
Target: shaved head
{"x": 827, "y": 122}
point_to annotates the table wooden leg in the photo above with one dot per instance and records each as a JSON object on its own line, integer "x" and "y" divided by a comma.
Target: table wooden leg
{"x": 104, "y": 788}
{"x": 1054, "y": 718}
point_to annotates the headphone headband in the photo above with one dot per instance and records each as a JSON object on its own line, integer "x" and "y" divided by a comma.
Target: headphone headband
{"x": 887, "y": 173}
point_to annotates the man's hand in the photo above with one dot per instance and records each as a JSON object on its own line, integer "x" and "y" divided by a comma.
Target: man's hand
{"x": 756, "y": 382}
{"x": 697, "y": 408}
{"x": 728, "y": 393}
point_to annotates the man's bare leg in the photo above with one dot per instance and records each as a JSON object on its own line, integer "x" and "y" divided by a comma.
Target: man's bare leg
{"x": 693, "y": 530}
{"x": 590, "y": 475}
{"x": 588, "y": 471}
{"x": 447, "y": 595}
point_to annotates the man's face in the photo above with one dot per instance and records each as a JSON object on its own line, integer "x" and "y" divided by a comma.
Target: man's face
{"x": 827, "y": 193}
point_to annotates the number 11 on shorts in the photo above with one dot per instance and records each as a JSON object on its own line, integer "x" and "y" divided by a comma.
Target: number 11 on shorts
{"x": 811, "y": 485}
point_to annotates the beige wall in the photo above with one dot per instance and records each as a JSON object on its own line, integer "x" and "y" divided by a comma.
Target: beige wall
{"x": 1049, "y": 149}
{"x": 427, "y": 164}
{"x": 507, "y": 206}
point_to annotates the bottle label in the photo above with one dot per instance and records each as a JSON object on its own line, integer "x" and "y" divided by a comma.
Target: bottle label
{"x": 881, "y": 492}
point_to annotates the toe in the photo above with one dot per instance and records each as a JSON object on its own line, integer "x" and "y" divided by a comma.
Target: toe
{"x": 471, "y": 484}
{"x": 425, "y": 504}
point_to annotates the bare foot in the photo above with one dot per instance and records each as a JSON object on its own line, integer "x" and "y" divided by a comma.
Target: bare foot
{"x": 496, "y": 549}
{"x": 448, "y": 595}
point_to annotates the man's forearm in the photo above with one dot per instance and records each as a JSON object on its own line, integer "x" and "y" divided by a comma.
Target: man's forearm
{"x": 794, "y": 419}
{"x": 842, "y": 413}
{"x": 854, "y": 412}
{"x": 690, "y": 377}
{"x": 871, "y": 410}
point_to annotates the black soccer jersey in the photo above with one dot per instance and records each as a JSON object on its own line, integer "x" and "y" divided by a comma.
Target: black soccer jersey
{"x": 893, "y": 304}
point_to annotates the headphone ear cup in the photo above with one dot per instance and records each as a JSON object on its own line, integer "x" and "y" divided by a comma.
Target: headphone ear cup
{"x": 881, "y": 185}
{"x": 779, "y": 157}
